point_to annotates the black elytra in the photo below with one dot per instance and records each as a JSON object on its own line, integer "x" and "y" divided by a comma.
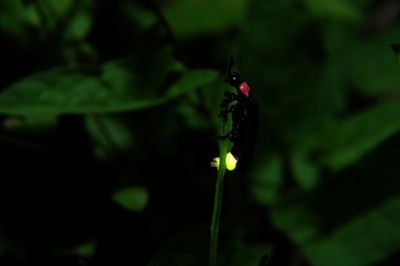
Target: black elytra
{"x": 245, "y": 118}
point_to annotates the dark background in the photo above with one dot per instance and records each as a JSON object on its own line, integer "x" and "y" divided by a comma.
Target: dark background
{"x": 109, "y": 116}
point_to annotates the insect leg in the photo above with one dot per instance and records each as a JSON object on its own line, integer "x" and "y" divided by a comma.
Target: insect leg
{"x": 229, "y": 98}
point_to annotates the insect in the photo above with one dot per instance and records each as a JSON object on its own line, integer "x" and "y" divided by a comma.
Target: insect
{"x": 245, "y": 117}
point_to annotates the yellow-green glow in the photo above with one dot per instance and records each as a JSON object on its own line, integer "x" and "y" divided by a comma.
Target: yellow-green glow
{"x": 215, "y": 163}
{"x": 230, "y": 162}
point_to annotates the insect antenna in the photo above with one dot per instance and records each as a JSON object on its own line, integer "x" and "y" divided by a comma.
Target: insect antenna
{"x": 231, "y": 63}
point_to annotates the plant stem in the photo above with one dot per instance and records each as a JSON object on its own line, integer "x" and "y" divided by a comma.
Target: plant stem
{"x": 216, "y": 214}
{"x": 215, "y": 221}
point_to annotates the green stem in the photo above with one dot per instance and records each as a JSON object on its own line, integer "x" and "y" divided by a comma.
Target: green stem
{"x": 215, "y": 221}
{"x": 216, "y": 216}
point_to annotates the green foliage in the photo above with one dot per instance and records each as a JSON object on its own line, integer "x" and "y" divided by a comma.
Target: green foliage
{"x": 267, "y": 180}
{"x": 85, "y": 249}
{"x": 108, "y": 135}
{"x": 350, "y": 139}
{"x": 190, "y": 18}
{"x": 63, "y": 91}
{"x": 376, "y": 233}
{"x": 313, "y": 121}
{"x": 337, "y": 9}
{"x": 363, "y": 240}
{"x": 383, "y": 75}
{"x": 132, "y": 198}
{"x": 98, "y": 96}
{"x": 304, "y": 170}
{"x": 15, "y": 19}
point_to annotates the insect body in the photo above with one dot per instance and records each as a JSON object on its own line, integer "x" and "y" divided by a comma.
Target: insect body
{"x": 245, "y": 115}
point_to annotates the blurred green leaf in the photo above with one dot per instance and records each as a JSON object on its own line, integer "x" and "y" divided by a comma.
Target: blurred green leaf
{"x": 85, "y": 249}
{"x": 58, "y": 8}
{"x": 59, "y": 91}
{"x": 383, "y": 75}
{"x": 364, "y": 240}
{"x": 266, "y": 181}
{"x": 277, "y": 46}
{"x": 350, "y": 45}
{"x": 304, "y": 171}
{"x": 55, "y": 91}
{"x": 73, "y": 19}
{"x": 348, "y": 140}
{"x": 16, "y": 19}
{"x": 335, "y": 9}
{"x": 79, "y": 26}
{"x": 108, "y": 134}
{"x": 192, "y": 110}
{"x": 191, "y": 78}
{"x": 132, "y": 198}
{"x": 138, "y": 14}
{"x": 143, "y": 73}
{"x": 123, "y": 86}
{"x": 284, "y": 69}
{"x": 190, "y": 18}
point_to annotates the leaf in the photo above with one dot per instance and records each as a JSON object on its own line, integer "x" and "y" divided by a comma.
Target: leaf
{"x": 59, "y": 91}
{"x": 266, "y": 181}
{"x": 137, "y": 13}
{"x": 142, "y": 73}
{"x": 55, "y": 91}
{"x": 193, "y": 114}
{"x": 367, "y": 239}
{"x": 108, "y": 134}
{"x": 287, "y": 77}
{"x": 348, "y": 140}
{"x": 59, "y": 8}
{"x": 122, "y": 87}
{"x": 132, "y": 198}
{"x": 85, "y": 249}
{"x": 352, "y": 217}
{"x": 187, "y": 18}
{"x": 16, "y": 19}
{"x": 336, "y": 9}
{"x": 381, "y": 77}
{"x": 192, "y": 78}
{"x": 305, "y": 172}
{"x": 364, "y": 241}
{"x": 79, "y": 26}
